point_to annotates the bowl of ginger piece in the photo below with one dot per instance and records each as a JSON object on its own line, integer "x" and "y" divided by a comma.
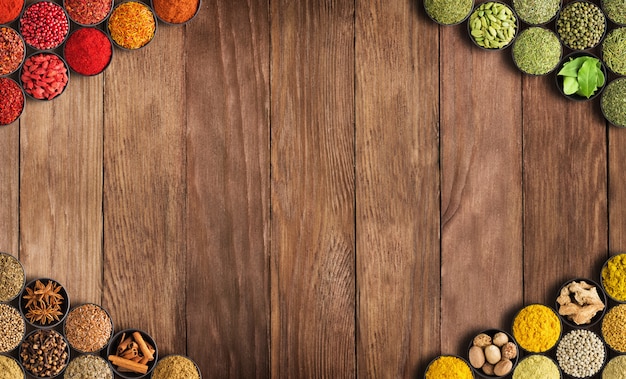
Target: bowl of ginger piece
{"x": 581, "y": 303}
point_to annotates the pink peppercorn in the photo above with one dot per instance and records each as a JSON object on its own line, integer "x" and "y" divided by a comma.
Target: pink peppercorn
{"x": 44, "y": 25}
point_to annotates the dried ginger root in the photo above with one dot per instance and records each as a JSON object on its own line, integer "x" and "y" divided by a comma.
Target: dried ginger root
{"x": 580, "y": 302}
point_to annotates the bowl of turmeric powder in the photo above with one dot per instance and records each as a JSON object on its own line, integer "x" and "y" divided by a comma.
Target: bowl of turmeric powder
{"x": 537, "y": 328}
{"x": 581, "y": 303}
{"x": 613, "y": 277}
{"x": 132, "y": 354}
{"x": 448, "y": 366}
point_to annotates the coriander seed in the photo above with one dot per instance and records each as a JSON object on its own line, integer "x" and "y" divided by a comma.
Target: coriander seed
{"x": 12, "y": 328}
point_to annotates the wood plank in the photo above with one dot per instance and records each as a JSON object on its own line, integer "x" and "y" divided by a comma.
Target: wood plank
{"x": 312, "y": 189}
{"x": 61, "y": 189}
{"x": 144, "y": 190}
{"x": 616, "y": 195}
{"x": 397, "y": 223}
{"x": 481, "y": 193}
{"x": 565, "y": 189}
{"x": 228, "y": 235}
{"x": 9, "y": 188}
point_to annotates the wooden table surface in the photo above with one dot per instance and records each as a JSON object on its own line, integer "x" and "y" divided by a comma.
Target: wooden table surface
{"x": 300, "y": 189}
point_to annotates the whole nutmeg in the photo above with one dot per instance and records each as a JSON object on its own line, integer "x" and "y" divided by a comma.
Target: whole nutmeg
{"x": 503, "y": 367}
{"x": 488, "y": 368}
{"x": 509, "y": 350}
{"x": 476, "y": 357}
{"x": 482, "y": 340}
{"x": 500, "y": 339}
{"x": 492, "y": 354}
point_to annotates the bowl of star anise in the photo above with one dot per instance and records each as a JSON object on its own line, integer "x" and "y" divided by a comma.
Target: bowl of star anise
{"x": 44, "y": 303}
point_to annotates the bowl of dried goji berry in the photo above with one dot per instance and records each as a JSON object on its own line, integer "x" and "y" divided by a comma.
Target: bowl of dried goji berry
{"x": 44, "y": 76}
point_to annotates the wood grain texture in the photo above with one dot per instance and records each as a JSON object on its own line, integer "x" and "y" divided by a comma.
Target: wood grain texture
{"x": 397, "y": 223}
{"x": 227, "y": 219}
{"x": 481, "y": 198}
{"x": 9, "y": 187}
{"x": 312, "y": 189}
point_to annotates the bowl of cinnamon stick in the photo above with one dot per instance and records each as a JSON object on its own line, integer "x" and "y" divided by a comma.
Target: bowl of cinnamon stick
{"x": 132, "y": 353}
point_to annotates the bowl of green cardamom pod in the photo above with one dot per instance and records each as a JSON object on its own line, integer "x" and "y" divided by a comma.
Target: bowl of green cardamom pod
{"x": 493, "y": 25}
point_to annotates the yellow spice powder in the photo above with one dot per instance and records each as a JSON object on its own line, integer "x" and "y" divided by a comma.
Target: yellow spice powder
{"x": 448, "y": 367}
{"x": 536, "y": 328}
{"x": 614, "y": 277}
{"x": 175, "y": 367}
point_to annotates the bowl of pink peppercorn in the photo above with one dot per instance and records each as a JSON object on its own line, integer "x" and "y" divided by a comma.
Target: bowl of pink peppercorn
{"x": 44, "y": 25}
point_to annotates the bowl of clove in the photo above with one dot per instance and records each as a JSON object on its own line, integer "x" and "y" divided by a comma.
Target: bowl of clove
{"x": 44, "y": 303}
{"x": 581, "y": 303}
{"x": 132, "y": 353}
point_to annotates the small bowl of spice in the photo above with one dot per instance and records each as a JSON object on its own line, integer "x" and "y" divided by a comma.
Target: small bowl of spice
{"x": 88, "y": 51}
{"x": 44, "y": 76}
{"x": 537, "y": 12}
{"x": 613, "y": 51}
{"x": 44, "y": 353}
{"x": 581, "y": 303}
{"x": 176, "y": 12}
{"x": 44, "y": 303}
{"x": 10, "y": 11}
{"x": 613, "y": 328}
{"x": 493, "y": 353}
{"x": 88, "y": 328}
{"x": 12, "y": 328}
{"x": 537, "y": 328}
{"x": 176, "y": 367}
{"x": 11, "y": 367}
{"x": 88, "y": 12}
{"x": 535, "y": 366}
{"x": 44, "y": 25}
{"x": 12, "y": 50}
{"x": 537, "y": 51}
{"x": 615, "y": 11}
{"x": 132, "y": 353}
{"x": 12, "y": 276}
{"x": 581, "y": 25}
{"x": 88, "y": 366}
{"x": 493, "y": 25}
{"x": 581, "y": 353}
{"x": 612, "y": 105}
{"x": 12, "y": 101}
{"x": 615, "y": 368}
{"x": 448, "y": 366}
{"x": 613, "y": 273}
{"x": 448, "y": 12}
{"x": 132, "y": 25}
{"x": 581, "y": 76}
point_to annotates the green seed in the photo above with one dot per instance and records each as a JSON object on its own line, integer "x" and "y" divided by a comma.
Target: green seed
{"x": 495, "y": 22}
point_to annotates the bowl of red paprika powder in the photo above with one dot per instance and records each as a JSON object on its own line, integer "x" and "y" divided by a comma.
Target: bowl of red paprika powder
{"x": 88, "y": 12}
{"x": 10, "y": 11}
{"x": 11, "y": 101}
{"x": 88, "y": 51}
{"x": 176, "y": 12}
{"x": 12, "y": 50}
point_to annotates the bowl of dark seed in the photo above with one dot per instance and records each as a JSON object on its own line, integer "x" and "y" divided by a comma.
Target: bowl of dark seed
{"x": 12, "y": 328}
{"x": 12, "y": 278}
{"x": 44, "y": 353}
{"x": 88, "y": 366}
{"x": 44, "y": 303}
{"x": 492, "y": 25}
{"x": 581, "y": 353}
{"x": 613, "y": 102}
{"x": 88, "y": 328}
{"x": 11, "y": 368}
{"x": 581, "y": 25}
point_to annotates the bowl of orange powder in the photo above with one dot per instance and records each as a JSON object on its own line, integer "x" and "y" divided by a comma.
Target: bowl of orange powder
{"x": 537, "y": 328}
{"x": 176, "y": 12}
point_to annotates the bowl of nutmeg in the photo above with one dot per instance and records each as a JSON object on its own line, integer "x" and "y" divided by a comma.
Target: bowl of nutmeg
{"x": 493, "y": 353}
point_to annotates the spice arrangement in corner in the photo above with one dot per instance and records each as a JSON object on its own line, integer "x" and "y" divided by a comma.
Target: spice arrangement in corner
{"x": 44, "y": 336}
{"x": 580, "y": 337}
{"x": 541, "y": 32}
{"x": 42, "y": 42}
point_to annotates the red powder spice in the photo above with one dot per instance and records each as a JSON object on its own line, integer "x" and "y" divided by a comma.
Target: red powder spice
{"x": 88, "y": 12}
{"x": 10, "y": 10}
{"x": 175, "y": 11}
{"x": 11, "y": 101}
{"x": 88, "y": 51}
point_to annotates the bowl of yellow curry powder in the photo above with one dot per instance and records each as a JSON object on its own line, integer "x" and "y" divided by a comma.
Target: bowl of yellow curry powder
{"x": 613, "y": 278}
{"x": 448, "y": 366}
{"x": 537, "y": 328}
{"x": 176, "y": 366}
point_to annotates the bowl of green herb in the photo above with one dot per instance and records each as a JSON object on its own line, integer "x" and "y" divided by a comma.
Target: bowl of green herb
{"x": 537, "y": 12}
{"x": 613, "y": 102}
{"x": 582, "y": 76}
{"x": 448, "y": 12}
{"x": 615, "y": 11}
{"x": 581, "y": 25}
{"x": 613, "y": 51}
{"x": 537, "y": 51}
{"x": 493, "y": 25}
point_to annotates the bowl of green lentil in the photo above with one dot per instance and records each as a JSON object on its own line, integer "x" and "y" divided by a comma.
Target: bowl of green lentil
{"x": 12, "y": 277}
{"x": 581, "y": 25}
{"x": 11, "y": 367}
{"x": 613, "y": 328}
{"x": 613, "y": 51}
{"x": 132, "y": 25}
{"x": 448, "y": 12}
{"x": 615, "y": 10}
{"x": 176, "y": 366}
{"x": 537, "y": 51}
{"x": 12, "y": 328}
{"x": 581, "y": 353}
{"x": 493, "y": 25}
{"x": 535, "y": 366}
{"x": 537, "y": 12}
{"x": 613, "y": 272}
{"x": 448, "y": 366}
{"x": 537, "y": 328}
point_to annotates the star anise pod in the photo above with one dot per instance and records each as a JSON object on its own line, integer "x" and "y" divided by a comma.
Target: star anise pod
{"x": 44, "y": 314}
{"x": 48, "y": 293}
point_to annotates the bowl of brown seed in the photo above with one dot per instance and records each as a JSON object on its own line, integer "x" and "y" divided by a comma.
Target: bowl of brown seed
{"x": 88, "y": 328}
{"x": 44, "y": 303}
{"x": 44, "y": 353}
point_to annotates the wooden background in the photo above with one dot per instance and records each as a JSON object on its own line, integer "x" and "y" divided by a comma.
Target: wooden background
{"x": 310, "y": 188}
